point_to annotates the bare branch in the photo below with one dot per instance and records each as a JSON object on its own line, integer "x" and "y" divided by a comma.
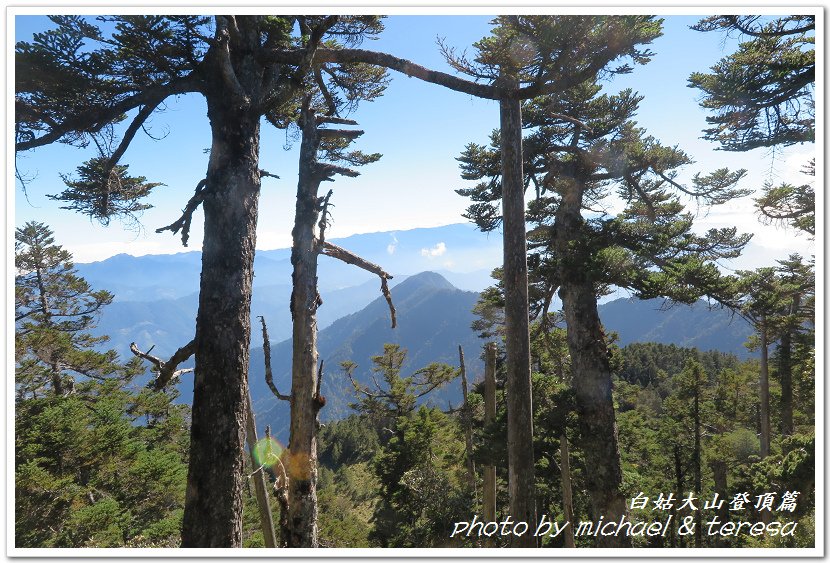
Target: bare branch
{"x": 324, "y": 212}
{"x": 345, "y": 56}
{"x": 167, "y": 370}
{"x": 269, "y": 375}
{"x": 183, "y": 222}
{"x": 344, "y": 255}
{"x": 266, "y": 174}
{"x": 359, "y": 388}
{"x": 321, "y": 119}
{"x": 336, "y": 133}
{"x": 129, "y": 134}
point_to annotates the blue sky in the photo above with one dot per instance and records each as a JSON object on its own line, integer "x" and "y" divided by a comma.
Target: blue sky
{"x": 420, "y": 129}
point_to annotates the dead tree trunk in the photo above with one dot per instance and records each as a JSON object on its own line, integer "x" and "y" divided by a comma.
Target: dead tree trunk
{"x": 467, "y": 418}
{"x": 261, "y": 491}
{"x": 520, "y": 458}
{"x": 306, "y": 400}
{"x": 301, "y": 462}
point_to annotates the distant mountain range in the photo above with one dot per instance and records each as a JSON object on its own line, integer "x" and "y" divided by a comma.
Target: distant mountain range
{"x": 157, "y": 298}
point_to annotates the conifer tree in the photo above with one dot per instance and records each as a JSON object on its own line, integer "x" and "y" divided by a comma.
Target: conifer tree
{"x": 762, "y": 96}
{"x": 55, "y": 309}
{"x": 418, "y": 497}
{"x": 581, "y": 147}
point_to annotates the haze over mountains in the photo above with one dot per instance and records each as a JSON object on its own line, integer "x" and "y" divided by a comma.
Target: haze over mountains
{"x": 438, "y": 274}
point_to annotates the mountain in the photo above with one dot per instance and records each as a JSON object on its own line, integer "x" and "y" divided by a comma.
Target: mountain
{"x": 433, "y": 317}
{"x": 168, "y": 324}
{"x": 463, "y": 253}
{"x": 690, "y": 326}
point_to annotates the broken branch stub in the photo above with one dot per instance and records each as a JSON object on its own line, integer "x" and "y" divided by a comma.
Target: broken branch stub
{"x": 166, "y": 369}
{"x": 269, "y": 375}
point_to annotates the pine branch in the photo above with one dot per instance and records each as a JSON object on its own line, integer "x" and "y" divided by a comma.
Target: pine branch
{"x": 96, "y": 116}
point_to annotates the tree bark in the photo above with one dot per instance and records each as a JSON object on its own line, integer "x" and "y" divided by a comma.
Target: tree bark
{"x": 302, "y": 451}
{"x": 213, "y": 503}
{"x": 764, "y": 390}
{"x": 567, "y": 493}
{"x": 678, "y": 480}
{"x": 589, "y": 364}
{"x": 520, "y": 456}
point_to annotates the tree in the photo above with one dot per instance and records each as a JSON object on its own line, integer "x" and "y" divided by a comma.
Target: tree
{"x": 78, "y": 81}
{"x": 762, "y": 96}
{"x": 318, "y": 143}
{"x": 790, "y": 205}
{"x": 557, "y": 54}
{"x": 54, "y": 310}
{"x": 798, "y": 284}
{"x": 778, "y": 302}
{"x": 420, "y": 447}
{"x": 581, "y": 148}
{"x": 96, "y": 464}
{"x": 75, "y": 82}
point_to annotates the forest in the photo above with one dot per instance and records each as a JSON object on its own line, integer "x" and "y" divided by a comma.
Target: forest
{"x": 567, "y": 439}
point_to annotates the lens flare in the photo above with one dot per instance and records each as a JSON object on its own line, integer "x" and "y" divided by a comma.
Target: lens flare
{"x": 267, "y": 452}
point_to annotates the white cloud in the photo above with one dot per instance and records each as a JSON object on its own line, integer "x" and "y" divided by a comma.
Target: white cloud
{"x": 390, "y": 248}
{"x": 438, "y": 250}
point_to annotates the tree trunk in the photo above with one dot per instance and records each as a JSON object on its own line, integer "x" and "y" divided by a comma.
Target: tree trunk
{"x": 678, "y": 480}
{"x": 468, "y": 424}
{"x": 265, "y": 517}
{"x": 697, "y": 458}
{"x": 213, "y": 503}
{"x": 719, "y": 470}
{"x": 764, "y": 389}
{"x": 230, "y": 198}
{"x": 489, "y": 494}
{"x": 567, "y": 493}
{"x": 302, "y": 451}
{"x": 519, "y": 395}
{"x": 589, "y": 365}
{"x": 785, "y": 372}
